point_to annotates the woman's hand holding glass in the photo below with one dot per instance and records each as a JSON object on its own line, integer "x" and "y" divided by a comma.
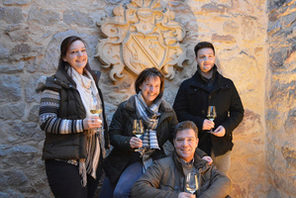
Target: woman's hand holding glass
{"x": 135, "y": 142}
{"x": 92, "y": 122}
{"x": 138, "y": 131}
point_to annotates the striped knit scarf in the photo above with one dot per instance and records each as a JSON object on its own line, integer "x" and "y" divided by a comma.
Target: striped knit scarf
{"x": 149, "y": 115}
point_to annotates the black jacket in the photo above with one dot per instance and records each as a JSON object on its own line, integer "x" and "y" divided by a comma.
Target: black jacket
{"x": 121, "y": 132}
{"x": 72, "y": 146}
{"x": 194, "y": 97}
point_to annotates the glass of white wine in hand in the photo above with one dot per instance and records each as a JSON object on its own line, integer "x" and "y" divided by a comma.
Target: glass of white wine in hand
{"x": 138, "y": 130}
{"x": 211, "y": 114}
{"x": 97, "y": 112}
{"x": 191, "y": 182}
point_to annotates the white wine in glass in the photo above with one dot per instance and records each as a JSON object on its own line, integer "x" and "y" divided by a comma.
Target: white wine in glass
{"x": 138, "y": 131}
{"x": 191, "y": 182}
{"x": 211, "y": 114}
{"x": 96, "y": 111}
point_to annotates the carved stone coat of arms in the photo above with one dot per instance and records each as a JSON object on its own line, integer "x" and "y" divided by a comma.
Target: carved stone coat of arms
{"x": 141, "y": 34}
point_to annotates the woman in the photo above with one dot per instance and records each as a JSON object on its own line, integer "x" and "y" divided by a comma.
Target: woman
{"x": 126, "y": 162}
{"x": 75, "y": 139}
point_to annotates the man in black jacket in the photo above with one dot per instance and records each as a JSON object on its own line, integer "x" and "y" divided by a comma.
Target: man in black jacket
{"x": 207, "y": 88}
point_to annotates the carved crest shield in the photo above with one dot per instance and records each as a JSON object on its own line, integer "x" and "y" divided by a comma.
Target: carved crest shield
{"x": 140, "y": 53}
{"x": 141, "y": 35}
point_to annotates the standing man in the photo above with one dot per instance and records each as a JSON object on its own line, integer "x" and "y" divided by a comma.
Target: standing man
{"x": 207, "y": 88}
{"x": 166, "y": 177}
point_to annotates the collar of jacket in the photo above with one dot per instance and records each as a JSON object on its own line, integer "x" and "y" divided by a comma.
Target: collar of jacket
{"x": 130, "y": 105}
{"x": 204, "y": 79}
{"x": 62, "y": 78}
{"x": 198, "y": 81}
{"x": 200, "y": 164}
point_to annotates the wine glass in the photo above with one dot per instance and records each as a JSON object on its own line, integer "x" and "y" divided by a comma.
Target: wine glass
{"x": 97, "y": 112}
{"x": 191, "y": 182}
{"x": 211, "y": 114}
{"x": 138, "y": 130}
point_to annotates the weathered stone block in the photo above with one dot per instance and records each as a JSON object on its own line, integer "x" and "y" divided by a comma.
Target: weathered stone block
{"x": 11, "y": 15}
{"x": 12, "y": 111}
{"x": 289, "y": 154}
{"x": 117, "y": 1}
{"x": 229, "y": 39}
{"x": 78, "y": 18}
{"x": 12, "y": 155}
{"x": 277, "y": 59}
{"x": 16, "y": 2}
{"x": 11, "y": 194}
{"x": 273, "y": 15}
{"x": 33, "y": 114}
{"x": 18, "y": 33}
{"x": 43, "y": 17}
{"x": 4, "y": 52}
{"x": 12, "y": 69}
{"x": 213, "y": 7}
{"x": 273, "y": 4}
{"x": 283, "y": 95}
{"x": 20, "y": 49}
{"x": 288, "y": 20}
{"x": 30, "y": 89}
{"x": 32, "y": 65}
{"x": 10, "y": 88}
{"x": 28, "y": 131}
{"x": 231, "y": 27}
{"x": 12, "y": 178}
{"x": 274, "y": 27}
{"x": 291, "y": 122}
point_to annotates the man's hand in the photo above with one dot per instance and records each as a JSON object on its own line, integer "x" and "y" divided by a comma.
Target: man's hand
{"x": 208, "y": 124}
{"x": 186, "y": 195}
{"x": 136, "y": 142}
{"x": 219, "y": 132}
{"x": 208, "y": 159}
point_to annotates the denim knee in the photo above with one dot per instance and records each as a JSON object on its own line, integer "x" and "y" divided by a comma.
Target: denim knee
{"x": 120, "y": 193}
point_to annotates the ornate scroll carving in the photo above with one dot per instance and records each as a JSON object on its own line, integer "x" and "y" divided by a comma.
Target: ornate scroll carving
{"x": 143, "y": 34}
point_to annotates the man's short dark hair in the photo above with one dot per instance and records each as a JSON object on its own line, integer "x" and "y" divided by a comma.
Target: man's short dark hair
{"x": 185, "y": 125}
{"x": 203, "y": 44}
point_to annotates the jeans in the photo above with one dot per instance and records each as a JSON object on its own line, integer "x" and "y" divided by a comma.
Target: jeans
{"x": 65, "y": 182}
{"x": 126, "y": 181}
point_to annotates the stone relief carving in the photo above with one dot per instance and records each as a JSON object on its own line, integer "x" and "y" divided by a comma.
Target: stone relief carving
{"x": 141, "y": 34}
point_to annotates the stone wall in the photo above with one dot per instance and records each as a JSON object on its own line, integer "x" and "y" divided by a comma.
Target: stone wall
{"x": 280, "y": 98}
{"x": 31, "y": 32}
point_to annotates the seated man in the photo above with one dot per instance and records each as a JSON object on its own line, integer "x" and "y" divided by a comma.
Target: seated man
{"x": 166, "y": 177}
